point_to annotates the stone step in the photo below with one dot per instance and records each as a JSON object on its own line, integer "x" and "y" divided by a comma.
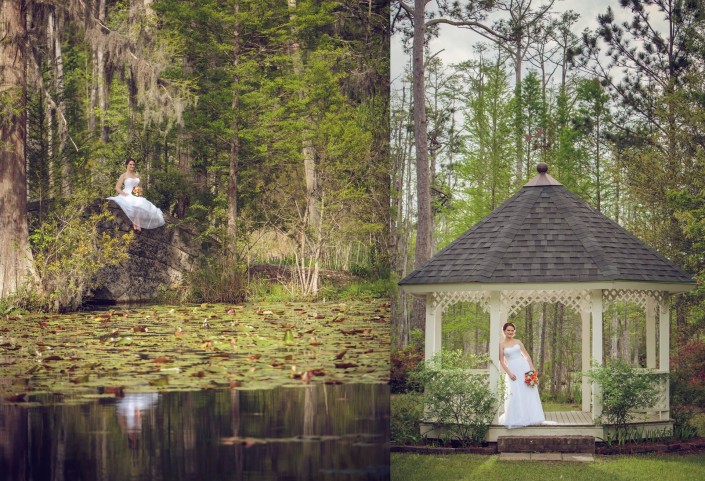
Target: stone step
{"x": 546, "y": 444}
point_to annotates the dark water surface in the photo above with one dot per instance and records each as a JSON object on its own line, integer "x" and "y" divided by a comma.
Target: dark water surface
{"x": 315, "y": 432}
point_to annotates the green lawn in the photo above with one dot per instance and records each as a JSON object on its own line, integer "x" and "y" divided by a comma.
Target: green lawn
{"x": 410, "y": 467}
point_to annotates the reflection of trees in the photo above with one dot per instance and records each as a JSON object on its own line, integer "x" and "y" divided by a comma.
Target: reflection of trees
{"x": 13, "y": 433}
{"x": 181, "y": 437}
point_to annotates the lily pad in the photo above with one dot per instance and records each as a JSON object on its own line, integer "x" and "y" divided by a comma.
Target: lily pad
{"x": 251, "y": 346}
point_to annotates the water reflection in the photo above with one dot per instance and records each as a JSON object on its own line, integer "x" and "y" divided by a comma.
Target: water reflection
{"x": 308, "y": 433}
{"x": 130, "y": 410}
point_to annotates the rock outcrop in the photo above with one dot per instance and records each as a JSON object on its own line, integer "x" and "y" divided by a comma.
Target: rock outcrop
{"x": 159, "y": 259}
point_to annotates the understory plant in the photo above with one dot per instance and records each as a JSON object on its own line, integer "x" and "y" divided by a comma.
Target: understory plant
{"x": 406, "y": 414}
{"x": 624, "y": 389}
{"x": 458, "y": 399}
{"x": 72, "y": 246}
{"x": 687, "y": 387}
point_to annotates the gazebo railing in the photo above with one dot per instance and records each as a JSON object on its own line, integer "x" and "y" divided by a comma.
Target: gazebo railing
{"x": 661, "y": 409}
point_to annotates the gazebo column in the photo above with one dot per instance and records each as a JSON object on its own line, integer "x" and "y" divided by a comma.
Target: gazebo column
{"x": 495, "y": 331}
{"x": 650, "y": 333}
{"x": 433, "y": 327}
{"x": 664, "y": 344}
{"x": 664, "y": 334}
{"x": 596, "y": 308}
{"x": 585, "y": 357}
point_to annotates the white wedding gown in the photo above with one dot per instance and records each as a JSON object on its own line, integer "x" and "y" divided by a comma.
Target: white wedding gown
{"x": 138, "y": 209}
{"x": 522, "y": 404}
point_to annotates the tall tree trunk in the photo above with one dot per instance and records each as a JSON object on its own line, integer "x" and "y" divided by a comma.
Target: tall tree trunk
{"x": 234, "y": 139}
{"x": 16, "y": 263}
{"x": 397, "y": 227}
{"x": 56, "y": 29}
{"x": 313, "y": 192}
{"x": 424, "y": 222}
{"x": 518, "y": 115}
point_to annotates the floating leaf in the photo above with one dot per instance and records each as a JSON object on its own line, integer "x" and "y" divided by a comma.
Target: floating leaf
{"x": 345, "y": 365}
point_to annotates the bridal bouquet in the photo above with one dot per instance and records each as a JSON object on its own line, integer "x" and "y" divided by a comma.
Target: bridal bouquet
{"x": 137, "y": 191}
{"x": 531, "y": 378}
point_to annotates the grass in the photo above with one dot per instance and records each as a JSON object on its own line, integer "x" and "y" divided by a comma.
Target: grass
{"x": 411, "y": 467}
{"x": 551, "y": 406}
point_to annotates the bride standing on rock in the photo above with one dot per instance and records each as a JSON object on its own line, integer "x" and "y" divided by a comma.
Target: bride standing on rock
{"x": 142, "y": 213}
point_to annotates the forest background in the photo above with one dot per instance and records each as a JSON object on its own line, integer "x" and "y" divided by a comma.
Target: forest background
{"x": 617, "y": 111}
{"x": 262, "y": 123}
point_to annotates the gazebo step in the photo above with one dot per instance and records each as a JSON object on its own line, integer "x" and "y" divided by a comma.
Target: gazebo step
{"x": 546, "y": 444}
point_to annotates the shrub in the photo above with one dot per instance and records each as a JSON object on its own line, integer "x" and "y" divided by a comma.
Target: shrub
{"x": 403, "y": 363}
{"x": 71, "y": 249}
{"x": 406, "y": 413}
{"x": 218, "y": 280}
{"x": 687, "y": 387}
{"x": 623, "y": 389}
{"x": 457, "y": 400}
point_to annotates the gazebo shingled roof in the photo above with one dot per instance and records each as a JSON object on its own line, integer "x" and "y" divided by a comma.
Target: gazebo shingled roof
{"x": 544, "y": 233}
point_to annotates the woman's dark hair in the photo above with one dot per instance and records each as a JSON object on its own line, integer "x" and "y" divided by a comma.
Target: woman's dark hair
{"x": 507, "y": 324}
{"x": 130, "y": 159}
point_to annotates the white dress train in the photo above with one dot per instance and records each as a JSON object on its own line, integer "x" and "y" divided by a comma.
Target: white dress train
{"x": 138, "y": 209}
{"x": 522, "y": 404}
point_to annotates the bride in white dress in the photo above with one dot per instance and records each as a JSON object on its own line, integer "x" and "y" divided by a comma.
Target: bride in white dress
{"x": 522, "y": 405}
{"x": 142, "y": 213}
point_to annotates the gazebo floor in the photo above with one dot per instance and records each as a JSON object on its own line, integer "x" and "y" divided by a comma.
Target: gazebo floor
{"x": 567, "y": 423}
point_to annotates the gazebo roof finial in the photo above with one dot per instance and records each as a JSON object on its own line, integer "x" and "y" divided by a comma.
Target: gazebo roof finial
{"x": 542, "y": 178}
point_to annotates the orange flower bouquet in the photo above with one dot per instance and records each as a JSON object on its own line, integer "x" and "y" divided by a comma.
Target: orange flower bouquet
{"x": 531, "y": 378}
{"x": 137, "y": 191}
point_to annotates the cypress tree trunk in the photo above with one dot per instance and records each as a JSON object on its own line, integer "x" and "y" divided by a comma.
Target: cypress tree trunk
{"x": 16, "y": 263}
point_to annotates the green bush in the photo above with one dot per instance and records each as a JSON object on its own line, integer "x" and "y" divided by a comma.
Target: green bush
{"x": 406, "y": 413}
{"x": 218, "y": 280}
{"x": 687, "y": 387}
{"x": 457, "y": 401}
{"x": 71, "y": 250}
{"x": 623, "y": 389}
{"x": 403, "y": 363}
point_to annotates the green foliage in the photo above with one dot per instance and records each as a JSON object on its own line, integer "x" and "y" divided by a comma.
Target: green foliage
{"x": 404, "y": 362}
{"x": 457, "y": 400}
{"x": 406, "y": 413}
{"x": 687, "y": 387}
{"x": 217, "y": 280}
{"x": 366, "y": 289}
{"x": 635, "y": 435}
{"x": 71, "y": 249}
{"x": 623, "y": 389}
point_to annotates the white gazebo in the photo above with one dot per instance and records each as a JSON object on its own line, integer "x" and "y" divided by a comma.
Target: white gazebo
{"x": 545, "y": 244}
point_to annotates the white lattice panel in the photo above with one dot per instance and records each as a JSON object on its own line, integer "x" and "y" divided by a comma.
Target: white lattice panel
{"x": 446, "y": 299}
{"x": 514, "y": 301}
{"x": 638, "y": 297}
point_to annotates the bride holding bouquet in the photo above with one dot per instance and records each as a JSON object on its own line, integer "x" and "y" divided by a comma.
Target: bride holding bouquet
{"x": 142, "y": 213}
{"x": 522, "y": 405}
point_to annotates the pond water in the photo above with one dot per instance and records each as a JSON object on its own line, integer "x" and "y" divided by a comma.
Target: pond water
{"x": 313, "y": 432}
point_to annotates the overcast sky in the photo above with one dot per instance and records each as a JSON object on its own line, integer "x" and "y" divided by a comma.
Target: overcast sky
{"x": 457, "y": 43}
